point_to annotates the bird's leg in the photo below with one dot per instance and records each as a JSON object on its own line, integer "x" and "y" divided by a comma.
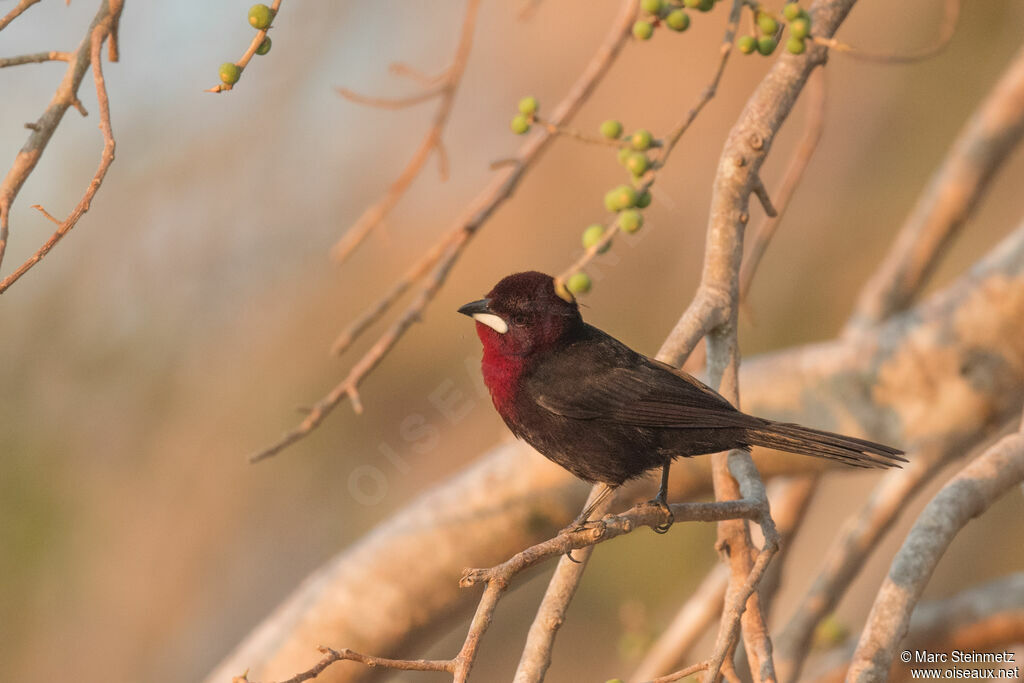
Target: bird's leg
{"x": 661, "y": 500}
{"x": 583, "y": 520}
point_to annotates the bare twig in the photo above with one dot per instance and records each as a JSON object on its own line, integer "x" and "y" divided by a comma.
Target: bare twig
{"x": 37, "y": 58}
{"x": 254, "y": 45}
{"x": 445, "y": 89}
{"x": 950, "y": 14}
{"x": 100, "y": 30}
{"x": 986, "y": 141}
{"x": 16, "y": 12}
{"x": 609, "y": 527}
{"x": 682, "y": 673}
{"x": 454, "y": 241}
{"x": 967, "y": 495}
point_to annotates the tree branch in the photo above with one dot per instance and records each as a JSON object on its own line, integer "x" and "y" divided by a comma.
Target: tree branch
{"x": 966, "y": 496}
{"x": 986, "y": 141}
{"x": 102, "y": 28}
{"x": 446, "y": 89}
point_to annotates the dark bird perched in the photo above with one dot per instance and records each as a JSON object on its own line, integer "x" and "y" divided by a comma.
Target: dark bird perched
{"x": 608, "y": 414}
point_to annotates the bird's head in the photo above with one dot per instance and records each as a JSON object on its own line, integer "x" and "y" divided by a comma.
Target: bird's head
{"x": 524, "y": 314}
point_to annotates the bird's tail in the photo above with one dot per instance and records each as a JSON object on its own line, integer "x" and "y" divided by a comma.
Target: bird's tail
{"x": 794, "y": 438}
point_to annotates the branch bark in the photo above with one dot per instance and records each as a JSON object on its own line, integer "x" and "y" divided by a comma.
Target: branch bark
{"x": 966, "y": 496}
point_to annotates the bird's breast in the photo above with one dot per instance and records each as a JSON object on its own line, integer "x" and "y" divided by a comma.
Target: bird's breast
{"x": 503, "y": 377}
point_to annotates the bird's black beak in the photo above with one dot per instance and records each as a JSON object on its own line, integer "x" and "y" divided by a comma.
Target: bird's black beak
{"x": 476, "y": 307}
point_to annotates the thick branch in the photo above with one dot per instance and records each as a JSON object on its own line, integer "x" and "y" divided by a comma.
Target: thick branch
{"x": 986, "y": 141}
{"x": 966, "y": 496}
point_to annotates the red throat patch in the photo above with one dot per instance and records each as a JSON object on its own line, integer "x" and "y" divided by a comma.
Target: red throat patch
{"x": 501, "y": 372}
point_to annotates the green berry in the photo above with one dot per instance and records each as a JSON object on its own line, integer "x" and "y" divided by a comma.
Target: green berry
{"x": 230, "y": 73}
{"x": 637, "y": 163}
{"x": 592, "y": 236}
{"x": 624, "y": 153}
{"x": 678, "y": 20}
{"x": 747, "y": 44}
{"x": 643, "y": 30}
{"x": 796, "y": 45}
{"x": 792, "y": 11}
{"x": 579, "y": 283}
{"x": 767, "y": 24}
{"x": 651, "y": 6}
{"x": 264, "y": 47}
{"x": 528, "y": 105}
{"x": 706, "y": 5}
{"x": 640, "y": 140}
{"x": 799, "y": 28}
{"x": 611, "y": 129}
{"x": 766, "y": 45}
{"x": 644, "y": 200}
{"x": 260, "y": 16}
{"x": 520, "y": 124}
{"x": 622, "y": 197}
{"x": 631, "y": 220}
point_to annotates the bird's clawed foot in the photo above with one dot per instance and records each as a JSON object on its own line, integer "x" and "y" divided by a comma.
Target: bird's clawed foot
{"x": 666, "y": 510}
{"x": 580, "y": 525}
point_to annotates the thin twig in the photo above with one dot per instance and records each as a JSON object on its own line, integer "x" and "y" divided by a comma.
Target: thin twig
{"x": 37, "y": 58}
{"x": 454, "y": 241}
{"x": 16, "y": 12}
{"x": 613, "y": 526}
{"x": 445, "y": 89}
{"x": 950, "y": 15}
{"x": 986, "y": 141}
{"x": 88, "y": 53}
{"x": 393, "y": 102}
{"x": 254, "y": 45}
{"x": 682, "y": 673}
{"x": 578, "y": 135}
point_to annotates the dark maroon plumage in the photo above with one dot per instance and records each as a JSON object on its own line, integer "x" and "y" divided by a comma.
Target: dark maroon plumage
{"x": 607, "y": 413}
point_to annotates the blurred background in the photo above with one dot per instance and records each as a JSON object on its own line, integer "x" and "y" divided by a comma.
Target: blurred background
{"x": 188, "y": 316}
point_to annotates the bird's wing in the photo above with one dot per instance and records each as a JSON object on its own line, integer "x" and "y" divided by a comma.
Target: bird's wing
{"x": 627, "y": 388}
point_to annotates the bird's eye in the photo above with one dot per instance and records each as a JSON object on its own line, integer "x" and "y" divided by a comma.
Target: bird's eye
{"x": 520, "y": 319}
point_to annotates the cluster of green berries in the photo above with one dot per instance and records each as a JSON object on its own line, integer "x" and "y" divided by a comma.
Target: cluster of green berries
{"x": 527, "y": 113}
{"x": 624, "y": 200}
{"x": 671, "y": 13}
{"x": 796, "y": 18}
{"x": 260, "y": 18}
